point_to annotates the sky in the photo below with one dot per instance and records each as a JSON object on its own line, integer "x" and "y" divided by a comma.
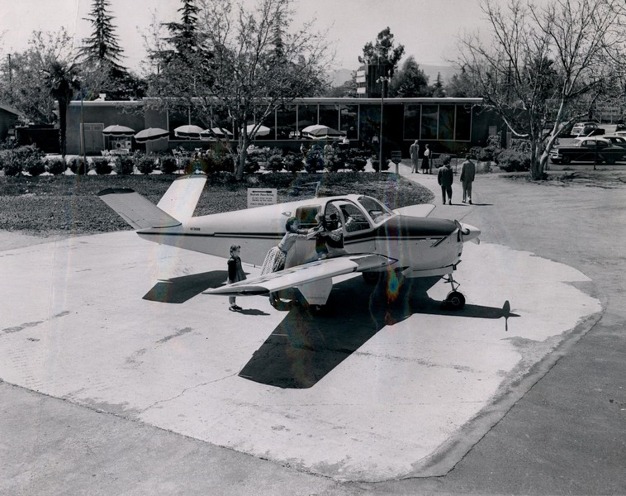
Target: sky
{"x": 429, "y": 30}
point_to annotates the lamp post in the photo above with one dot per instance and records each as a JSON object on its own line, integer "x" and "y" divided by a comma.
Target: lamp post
{"x": 382, "y": 80}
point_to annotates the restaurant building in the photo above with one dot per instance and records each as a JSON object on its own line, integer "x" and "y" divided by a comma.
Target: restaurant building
{"x": 451, "y": 125}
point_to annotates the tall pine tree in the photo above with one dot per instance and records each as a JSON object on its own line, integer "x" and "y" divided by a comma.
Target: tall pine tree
{"x": 101, "y": 57}
{"x": 102, "y": 49}
{"x": 183, "y": 34}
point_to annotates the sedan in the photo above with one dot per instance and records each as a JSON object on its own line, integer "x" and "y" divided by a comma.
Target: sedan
{"x": 588, "y": 150}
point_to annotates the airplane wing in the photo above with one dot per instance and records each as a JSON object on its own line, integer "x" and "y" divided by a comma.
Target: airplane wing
{"x": 303, "y": 274}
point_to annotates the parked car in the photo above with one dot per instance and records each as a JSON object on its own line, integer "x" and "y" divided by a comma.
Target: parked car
{"x": 588, "y": 150}
{"x": 614, "y": 139}
{"x": 587, "y": 128}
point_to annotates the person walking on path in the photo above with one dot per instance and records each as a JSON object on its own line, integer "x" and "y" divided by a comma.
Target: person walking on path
{"x": 426, "y": 161}
{"x": 414, "y": 151}
{"x": 468, "y": 172}
{"x": 445, "y": 177}
{"x": 235, "y": 273}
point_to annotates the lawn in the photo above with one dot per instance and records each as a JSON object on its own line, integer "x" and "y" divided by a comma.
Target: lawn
{"x": 47, "y": 205}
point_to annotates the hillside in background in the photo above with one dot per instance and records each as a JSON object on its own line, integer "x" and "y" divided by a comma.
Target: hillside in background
{"x": 340, "y": 76}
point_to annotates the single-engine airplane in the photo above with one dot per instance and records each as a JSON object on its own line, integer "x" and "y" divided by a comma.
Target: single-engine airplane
{"x": 375, "y": 238}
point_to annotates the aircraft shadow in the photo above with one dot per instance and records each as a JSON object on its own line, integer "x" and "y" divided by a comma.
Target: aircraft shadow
{"x": 181, "y": 289}
{"x": 307, "y": 345}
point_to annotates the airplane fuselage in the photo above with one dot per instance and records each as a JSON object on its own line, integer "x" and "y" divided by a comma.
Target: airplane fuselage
{"x": 421, "y": 246}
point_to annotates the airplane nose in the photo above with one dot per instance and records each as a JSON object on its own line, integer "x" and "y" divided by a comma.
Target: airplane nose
{"x": 470, "y": 233}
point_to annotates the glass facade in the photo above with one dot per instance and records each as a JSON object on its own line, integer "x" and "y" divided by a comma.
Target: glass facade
{"x": 403, "y": 121}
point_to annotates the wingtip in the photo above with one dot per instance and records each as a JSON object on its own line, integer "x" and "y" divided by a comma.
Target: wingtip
{"x": 113, "y": 191}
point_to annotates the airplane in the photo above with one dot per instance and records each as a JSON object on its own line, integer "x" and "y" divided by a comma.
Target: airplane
{"x": 377, "y": 241}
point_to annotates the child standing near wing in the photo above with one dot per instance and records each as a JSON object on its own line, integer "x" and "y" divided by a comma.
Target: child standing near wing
{"x": 235, "y": 273}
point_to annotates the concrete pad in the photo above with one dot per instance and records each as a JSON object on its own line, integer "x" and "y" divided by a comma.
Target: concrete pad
{"x": 379, "y": 386}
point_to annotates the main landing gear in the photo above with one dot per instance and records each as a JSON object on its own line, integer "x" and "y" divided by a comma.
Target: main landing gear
{"x": 455, "y": 299}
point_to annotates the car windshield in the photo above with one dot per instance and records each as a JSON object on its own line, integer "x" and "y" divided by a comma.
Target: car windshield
{"x": 376, "y": 210}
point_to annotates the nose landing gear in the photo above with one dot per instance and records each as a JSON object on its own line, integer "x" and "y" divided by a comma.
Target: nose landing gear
{"x": 455, "y": 299}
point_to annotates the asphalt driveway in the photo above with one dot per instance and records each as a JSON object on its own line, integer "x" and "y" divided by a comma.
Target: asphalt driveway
{"x": 566, "y": 435}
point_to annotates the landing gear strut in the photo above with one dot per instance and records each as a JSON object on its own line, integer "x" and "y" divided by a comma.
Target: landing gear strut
{"x": 455, "y": 299}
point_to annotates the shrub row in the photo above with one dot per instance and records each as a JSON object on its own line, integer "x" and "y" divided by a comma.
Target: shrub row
{"x": 30, "y": 159}
{"x": 33, "y": 161}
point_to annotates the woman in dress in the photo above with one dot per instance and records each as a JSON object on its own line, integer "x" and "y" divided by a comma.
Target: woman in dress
{"x": 426, "y": 161}
{"x": 277, "y": 255}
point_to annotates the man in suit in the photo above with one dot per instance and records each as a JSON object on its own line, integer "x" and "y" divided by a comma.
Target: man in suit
{"x": 468, "y": 172}
{"x": 414, "y": 151}
{"x": 445, "y": 177}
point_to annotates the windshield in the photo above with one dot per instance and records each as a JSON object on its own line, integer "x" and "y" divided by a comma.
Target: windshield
{"x": 376, "y": 210}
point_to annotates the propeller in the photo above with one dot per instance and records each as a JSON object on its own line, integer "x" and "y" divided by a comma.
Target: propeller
{"x": 461, "y": 231}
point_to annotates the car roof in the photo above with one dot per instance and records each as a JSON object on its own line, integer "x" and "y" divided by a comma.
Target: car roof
{"x": 596, "y": 138}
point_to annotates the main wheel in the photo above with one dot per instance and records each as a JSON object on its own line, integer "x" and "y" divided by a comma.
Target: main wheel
{"x": 279, "y": 303}
{"x": 371, "y": 277}
{"x": 455, "y": 300}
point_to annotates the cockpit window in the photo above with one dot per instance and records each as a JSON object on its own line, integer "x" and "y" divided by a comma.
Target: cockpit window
{"x": 354, "y": 220}
{"x": 374, "y": 208}
{"x": 306, "y": 216}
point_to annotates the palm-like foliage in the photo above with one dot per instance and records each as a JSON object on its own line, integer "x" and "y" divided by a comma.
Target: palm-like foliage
{"x": 61, "y": 79}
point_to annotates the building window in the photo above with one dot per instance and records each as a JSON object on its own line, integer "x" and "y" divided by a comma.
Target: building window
{"x": 286, "y": 122}
{"x": 463, "y": 128}
{"x": 307, "y": 116}
{"x": 430, "y": 121}
{"x": 412, "y": 121}
{"x": 329, "y": 116}
{"x": 446, "y": 122}
{"x": 349, "y": 120}
{"x": 369, "y": 122}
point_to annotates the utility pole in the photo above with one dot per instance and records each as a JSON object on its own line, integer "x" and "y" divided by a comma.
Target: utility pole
{"x": 382, "y": 80}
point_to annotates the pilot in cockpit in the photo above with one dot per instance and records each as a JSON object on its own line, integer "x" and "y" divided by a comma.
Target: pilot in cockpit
{"x": 328, "y": 236}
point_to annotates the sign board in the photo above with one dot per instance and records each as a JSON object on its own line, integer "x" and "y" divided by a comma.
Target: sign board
{"x": 396, "y": 156}
{"x": 259, "y": 197}
{"x": 360, "y": 91}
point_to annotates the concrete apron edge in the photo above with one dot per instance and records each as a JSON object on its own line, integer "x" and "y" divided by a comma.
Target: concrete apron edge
{"x": 443, "y": 459}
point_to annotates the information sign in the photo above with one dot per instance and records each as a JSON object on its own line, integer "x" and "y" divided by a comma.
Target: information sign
{"x": 259, "y": 197}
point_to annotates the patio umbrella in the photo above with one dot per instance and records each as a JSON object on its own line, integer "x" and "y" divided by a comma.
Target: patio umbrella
{"x": 262, "y": 131}
{"x": 188, "y": 131}
{"x": 150, "y": 134}
{"x": 117, "y": 130}
{"x": 321, "y": 131}
{"x": 216, "y": 131}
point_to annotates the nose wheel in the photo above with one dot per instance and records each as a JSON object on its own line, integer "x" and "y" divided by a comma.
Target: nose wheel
{"x": 455, "y": 299}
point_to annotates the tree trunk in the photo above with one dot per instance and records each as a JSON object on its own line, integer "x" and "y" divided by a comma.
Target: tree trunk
{"x": 538, "y": 166}
{"x": 242, "y": 155}
{"x": 63, "y": 126}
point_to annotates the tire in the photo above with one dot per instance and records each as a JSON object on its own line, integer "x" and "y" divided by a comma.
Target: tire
{"x": 455, "y": 300}
{"x": 372, "y": 277}
{"x": 566, "y": 160}
{"x": 610, "y": 160}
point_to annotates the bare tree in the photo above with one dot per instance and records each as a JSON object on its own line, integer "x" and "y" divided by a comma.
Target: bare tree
{"x": 545, "y": 65}
{"x": 248, "y": 64}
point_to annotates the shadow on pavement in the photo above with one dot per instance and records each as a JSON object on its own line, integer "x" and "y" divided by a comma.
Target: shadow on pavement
{"x": 181, "y": 289}
{"x": 309, "y": 344}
